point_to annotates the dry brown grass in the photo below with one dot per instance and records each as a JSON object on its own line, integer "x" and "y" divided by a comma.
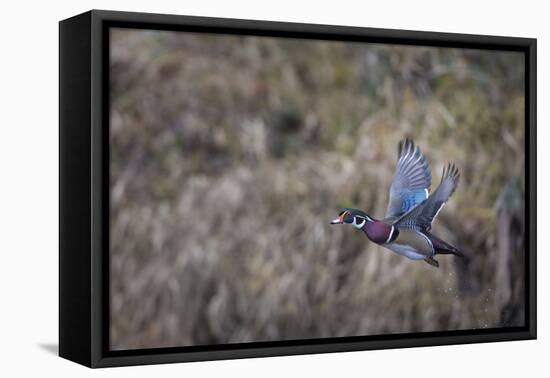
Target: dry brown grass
{"x": 230, "y": 156}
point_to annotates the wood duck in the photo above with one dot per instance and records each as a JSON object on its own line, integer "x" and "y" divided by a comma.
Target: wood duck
{"x": 411, "y": 209}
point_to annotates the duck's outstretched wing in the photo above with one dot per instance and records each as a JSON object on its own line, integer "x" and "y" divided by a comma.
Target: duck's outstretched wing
{"x": 412, "y": 181}
{"x": 421, "y": 217}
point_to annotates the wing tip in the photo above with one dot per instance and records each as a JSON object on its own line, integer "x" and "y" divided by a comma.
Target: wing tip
{"x": 452, "y": 172}
{"x": 405, "y": 146}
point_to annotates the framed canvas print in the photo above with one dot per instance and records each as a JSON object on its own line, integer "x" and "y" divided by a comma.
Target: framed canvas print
{"x": 234, "y": 188}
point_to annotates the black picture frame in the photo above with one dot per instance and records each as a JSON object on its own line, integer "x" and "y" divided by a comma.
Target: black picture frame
{"x": 84, "y": 190}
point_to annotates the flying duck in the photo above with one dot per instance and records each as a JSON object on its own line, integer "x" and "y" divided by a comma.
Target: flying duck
{"x": 411, "y": 210}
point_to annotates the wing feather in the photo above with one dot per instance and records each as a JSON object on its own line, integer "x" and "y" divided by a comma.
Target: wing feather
{"x": 412, "y": 180}
{"x": 421, "y": 217}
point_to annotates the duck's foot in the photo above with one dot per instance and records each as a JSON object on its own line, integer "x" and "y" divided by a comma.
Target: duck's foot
{"x": 432, "y": 261}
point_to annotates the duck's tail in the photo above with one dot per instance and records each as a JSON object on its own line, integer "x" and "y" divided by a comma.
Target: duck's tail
{"x": 444, "y": 248}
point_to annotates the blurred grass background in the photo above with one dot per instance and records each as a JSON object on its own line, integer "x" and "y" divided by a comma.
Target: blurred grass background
{"x": 231, "y": 154}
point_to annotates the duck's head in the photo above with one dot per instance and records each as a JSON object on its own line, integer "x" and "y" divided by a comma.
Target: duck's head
{"x": 354, "y": 217}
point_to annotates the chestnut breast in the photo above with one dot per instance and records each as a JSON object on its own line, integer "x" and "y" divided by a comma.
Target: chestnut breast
{"x": 378, "y": 232}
